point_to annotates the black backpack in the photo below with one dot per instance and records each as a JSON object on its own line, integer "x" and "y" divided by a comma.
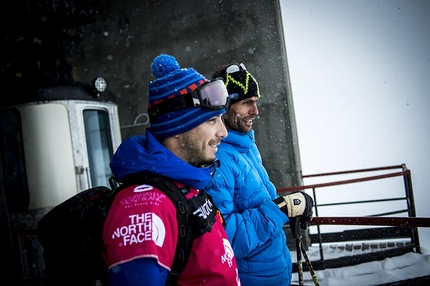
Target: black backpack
{"x": 71, "y": 233}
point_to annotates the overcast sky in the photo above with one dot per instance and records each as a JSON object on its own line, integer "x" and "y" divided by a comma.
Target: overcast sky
{"x": 360, "y": 75}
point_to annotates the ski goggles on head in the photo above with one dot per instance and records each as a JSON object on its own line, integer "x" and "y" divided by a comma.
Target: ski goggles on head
{"x": 211, "y": 95}
{"x": 235, "y": 68}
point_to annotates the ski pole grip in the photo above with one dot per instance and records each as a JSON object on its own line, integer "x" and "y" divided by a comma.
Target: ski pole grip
{"x": 304, "y": 224}
{"x": 295, "y": 227}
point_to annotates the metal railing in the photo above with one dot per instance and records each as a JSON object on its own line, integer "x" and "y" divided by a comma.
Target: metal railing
{"x": 394, "y": 227}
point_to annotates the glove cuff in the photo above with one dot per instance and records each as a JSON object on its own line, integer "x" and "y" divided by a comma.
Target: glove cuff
{"x": 282, "y": 204}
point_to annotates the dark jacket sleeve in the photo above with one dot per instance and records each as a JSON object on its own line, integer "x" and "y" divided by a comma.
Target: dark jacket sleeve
{"x": 138, "y": 272}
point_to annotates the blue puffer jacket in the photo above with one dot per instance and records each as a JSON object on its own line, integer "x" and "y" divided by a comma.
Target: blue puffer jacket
{"x": 243, "y": 192}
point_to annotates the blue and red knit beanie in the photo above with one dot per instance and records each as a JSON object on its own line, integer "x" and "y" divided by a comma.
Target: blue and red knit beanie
{"x": 171, "y": 81}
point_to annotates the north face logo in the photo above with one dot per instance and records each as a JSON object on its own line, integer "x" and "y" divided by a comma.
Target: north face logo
{"x": 297, "y": 202}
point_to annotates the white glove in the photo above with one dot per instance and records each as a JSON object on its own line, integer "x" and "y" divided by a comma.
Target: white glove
{"x": 296, "y": 204}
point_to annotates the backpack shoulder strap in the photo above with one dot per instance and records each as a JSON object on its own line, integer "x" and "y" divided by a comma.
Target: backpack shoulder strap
{"x": 183, "y": 213}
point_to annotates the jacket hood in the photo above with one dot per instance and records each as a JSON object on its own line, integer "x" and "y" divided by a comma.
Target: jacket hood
{"x": 145, "y": 154}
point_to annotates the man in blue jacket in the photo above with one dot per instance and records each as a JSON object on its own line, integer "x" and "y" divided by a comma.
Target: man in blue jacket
{"x": 244, "y": 194}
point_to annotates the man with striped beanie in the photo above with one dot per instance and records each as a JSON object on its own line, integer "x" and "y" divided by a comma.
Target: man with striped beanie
{"x": 142, "y": 233}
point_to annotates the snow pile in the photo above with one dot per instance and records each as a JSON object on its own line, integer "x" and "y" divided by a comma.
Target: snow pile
{"x": 407, "y": 266}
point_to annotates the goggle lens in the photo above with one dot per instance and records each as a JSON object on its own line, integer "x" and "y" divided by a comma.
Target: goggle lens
{"x": 213, "y": 95}
{"x": 235, "y": 68}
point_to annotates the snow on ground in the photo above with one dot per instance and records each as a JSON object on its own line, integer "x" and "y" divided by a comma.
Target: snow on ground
{"x": 407, "y": 266}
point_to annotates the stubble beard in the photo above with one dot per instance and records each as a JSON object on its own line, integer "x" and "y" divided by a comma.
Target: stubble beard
{"x": 236, "y": 123}
{"x": 195, "y": 154}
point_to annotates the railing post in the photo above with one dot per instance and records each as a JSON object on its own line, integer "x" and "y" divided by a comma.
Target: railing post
{"x": 407, "y": 178}
{"x": 318, "y": 229}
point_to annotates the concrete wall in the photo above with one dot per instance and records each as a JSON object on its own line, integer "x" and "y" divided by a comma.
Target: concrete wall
{"x": 202, "y": 34}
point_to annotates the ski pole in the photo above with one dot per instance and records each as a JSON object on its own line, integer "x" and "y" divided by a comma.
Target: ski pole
{"x": 309, "y": 265}
{"x": 295, "y": 228}
{"x": 299, "y": 262}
